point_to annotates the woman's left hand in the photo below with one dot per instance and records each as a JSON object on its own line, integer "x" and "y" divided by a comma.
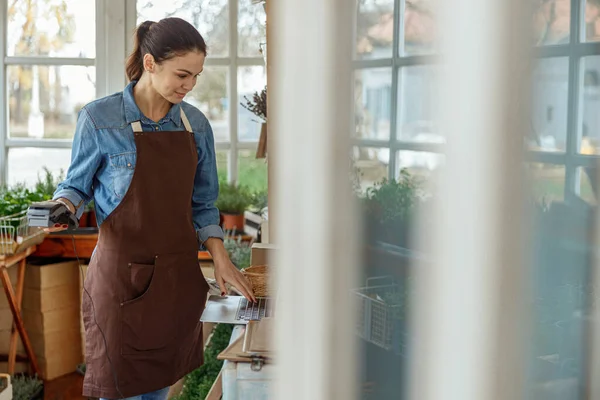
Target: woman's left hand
{"x": 226, "y": 272}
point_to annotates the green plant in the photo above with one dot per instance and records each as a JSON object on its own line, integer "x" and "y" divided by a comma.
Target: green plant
{"x": 198, "y": 382}
{"x": 25, "y": 387}
{"x": 47, "y": 185}
{"x": 258, "y": 104}
{"x": 391, "y": 201}
{"x": 239, "y": 251}
{"x": 260, "y": 200}
{"x": 233, "y": 199}
{"x": 18, "y": 199}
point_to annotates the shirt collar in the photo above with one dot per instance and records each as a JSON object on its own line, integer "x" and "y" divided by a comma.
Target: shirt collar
{"x": 133, "y": 113}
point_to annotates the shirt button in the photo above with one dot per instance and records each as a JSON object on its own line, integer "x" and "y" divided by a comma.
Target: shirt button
{"x": 129, "y": 164}
{"x": 156, "y": 127}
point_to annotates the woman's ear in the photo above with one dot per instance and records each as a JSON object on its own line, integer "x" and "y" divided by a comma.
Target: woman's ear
{"x": 149, "y": 63}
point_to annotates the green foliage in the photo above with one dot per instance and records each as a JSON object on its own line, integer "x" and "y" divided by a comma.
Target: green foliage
{"x": 233, "y": 199}
{"x": 391, "y": 201}
{"x": 24, "y": 387}
{"x": 259, "y": 200}
{"x": 198, "y": 383}
{"x": 48, "y": 184}
{"x": 239, "y": 251}
{"x": 18, "y": 199}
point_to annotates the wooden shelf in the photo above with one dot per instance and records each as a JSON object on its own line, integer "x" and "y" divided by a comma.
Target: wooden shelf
{"x": 61, "y": 246}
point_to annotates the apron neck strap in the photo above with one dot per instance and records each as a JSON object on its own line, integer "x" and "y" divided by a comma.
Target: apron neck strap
{"x": 137, "y": 125}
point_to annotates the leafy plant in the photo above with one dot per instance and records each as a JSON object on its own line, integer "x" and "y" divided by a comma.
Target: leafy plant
{"x": 233, "y": 199}
{"x": 48, "y": 184}
{"x": 239, "y": 251}
{"x": 18, "y": 199}
{"x": 258, "y": 104}
{"x": 391, "y": 201}
{"x": 198, "y": 383}
{"x": 25, "y": 387}
{"x": 260, "y": 200}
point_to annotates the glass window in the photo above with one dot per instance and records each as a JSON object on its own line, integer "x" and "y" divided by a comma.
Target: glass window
{"x": 592, "y": 20}
{"x": 548, "y": 181}
{"x": 251, "y": 80}
{"x": 372, "y": 102}
{"x": 252, "y": 28}
{"x": 44, "y": 101}
{"x": 222, "y": 164}
{"x": 369, "y": 165}
{"x": 590, "y": 94}
{"x": 252, "y": 172}
{"x": 418, "y": 91}
{"x": 550, "y": 101}
{"x": 210, "y": 96}
{"x": 375, "y": 29}
{"x": 588, "y": 184}
{"x": 551, "y": 21}
{"x": 26, "y": 164}
{"x": 420, "y": 27}
{"x": 54, "y": 28}
{"x": 211, "y": 18}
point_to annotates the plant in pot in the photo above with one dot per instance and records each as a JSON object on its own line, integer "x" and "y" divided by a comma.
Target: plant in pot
{"x": 233, "y": 200}
{"x": 27, "y": 388}
{"x": 390, "y": 207}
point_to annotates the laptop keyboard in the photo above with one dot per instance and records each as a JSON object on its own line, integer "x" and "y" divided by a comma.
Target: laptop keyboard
{"x": 264, "y": 307}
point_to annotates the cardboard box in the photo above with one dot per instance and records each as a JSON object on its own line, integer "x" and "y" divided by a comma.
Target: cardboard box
{"x": 20, "y": 367}
{"x": 52, "y": 275}
{"x": 6, "y": 319}
{"x": 59, "y": 364}
{"x": 51, "y": 298}
{"x": 52, "y": 321}
{"x": 262, "y": 254}
{"x": 47, "y": 345}
{"x": 12, "y": 275}
{"x": 5, "y": 342}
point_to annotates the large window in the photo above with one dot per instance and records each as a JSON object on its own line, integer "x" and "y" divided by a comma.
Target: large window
{"x": 48, "y": 73}
{"x": 235, "y": 31}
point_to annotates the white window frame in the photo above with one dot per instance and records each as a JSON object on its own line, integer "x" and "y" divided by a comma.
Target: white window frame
{"x": 115, "y": 22}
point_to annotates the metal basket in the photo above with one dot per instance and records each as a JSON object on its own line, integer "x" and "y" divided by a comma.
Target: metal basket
{"x": 16, "y": 235}
{"x": 379, "y": 322}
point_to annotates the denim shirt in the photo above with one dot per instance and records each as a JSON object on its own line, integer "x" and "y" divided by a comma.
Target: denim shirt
{"x": 104, "y": 143}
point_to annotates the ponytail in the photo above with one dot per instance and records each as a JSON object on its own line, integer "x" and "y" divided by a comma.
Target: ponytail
{"x": 135, "y": 61}
{"x": 163, "y": 40}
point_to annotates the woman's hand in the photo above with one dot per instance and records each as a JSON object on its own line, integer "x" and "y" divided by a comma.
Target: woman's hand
{"x": 58, "y": 227}
{"x": 226, "y": 272}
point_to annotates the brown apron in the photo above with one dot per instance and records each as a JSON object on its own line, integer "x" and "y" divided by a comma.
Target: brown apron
{"x": 144, "y": 279}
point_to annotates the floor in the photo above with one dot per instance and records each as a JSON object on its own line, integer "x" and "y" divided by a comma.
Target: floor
{"x": 67, "y": 387}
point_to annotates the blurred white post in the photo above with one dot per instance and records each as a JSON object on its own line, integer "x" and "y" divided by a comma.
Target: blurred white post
{"x": 309, "y": 87}
{"x": 470, "y": 314}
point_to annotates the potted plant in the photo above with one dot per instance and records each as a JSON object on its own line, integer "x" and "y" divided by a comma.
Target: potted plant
{"x": 258, "y": 106}
{"x": 390, "y": 207}
{"x": 233, "y": 200}
{"x": 27, "y": 388}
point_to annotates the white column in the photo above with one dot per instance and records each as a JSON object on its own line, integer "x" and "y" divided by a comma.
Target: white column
{"x": 309, "y": 87}
{"x": 470, "y": 314}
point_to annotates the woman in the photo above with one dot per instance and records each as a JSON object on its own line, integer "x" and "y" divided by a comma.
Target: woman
{"x": 147, "y": 159}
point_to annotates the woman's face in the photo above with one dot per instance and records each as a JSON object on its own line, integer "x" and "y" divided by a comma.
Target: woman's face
{"x": 175, "y": 77}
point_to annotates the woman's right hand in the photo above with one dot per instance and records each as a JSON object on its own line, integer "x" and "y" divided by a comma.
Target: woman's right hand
{"x": 56, "y": 228}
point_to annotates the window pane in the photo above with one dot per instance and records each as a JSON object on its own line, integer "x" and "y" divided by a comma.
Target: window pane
{"x": 252, "y": 172}
{"x": 370, "y": 165}
{"x": 375, "y": 29}
{"x": 416, "y": 105}
{"x": 551, "y": 21}
{"x": 420, "y": 27}
{"x": 43, "y": 101}
{"x": 210, "y": 96}
{"x": 592, "y": 20}
{"x": 372, "y": 103}
{"x": 252, "y": 28}
{"x": 211, "y": 18}
{"x": 55, "y": 28}
{"x": 250, "y": 80}
{"x": 222, "y": 164}
{"x": 27, "y": 163}
{"x": 420, "y": 164}
{"x": 588, "y": 184}
{"x": 590, "y": 129}
{"x": 550, "y": 100}
{"x": 548, "y": 181}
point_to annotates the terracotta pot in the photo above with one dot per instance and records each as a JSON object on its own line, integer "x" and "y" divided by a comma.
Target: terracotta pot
{"x": 92, "y": 222}
{"x": 232, "y": 222}
{"x": 83, "y": 221}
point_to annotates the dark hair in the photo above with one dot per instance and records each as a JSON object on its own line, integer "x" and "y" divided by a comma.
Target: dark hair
{"x": 164, "y": 39}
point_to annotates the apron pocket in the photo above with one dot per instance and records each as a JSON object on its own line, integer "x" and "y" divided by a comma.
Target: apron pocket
{"x": 147, "y": 322}
{"x": 140, "y": 277}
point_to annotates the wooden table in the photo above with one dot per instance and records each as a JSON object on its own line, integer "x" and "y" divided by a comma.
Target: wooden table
{"x": 14, "y": 301}
{"x": 61, "y": 245}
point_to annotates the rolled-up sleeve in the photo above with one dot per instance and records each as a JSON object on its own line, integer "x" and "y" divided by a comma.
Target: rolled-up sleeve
{"x": 85, "y": 161}
{"x": 206, "y": 188}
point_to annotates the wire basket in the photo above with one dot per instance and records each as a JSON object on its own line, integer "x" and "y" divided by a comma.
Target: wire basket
{"x": 378, "y": 322}
{"x": 16, "y": 234}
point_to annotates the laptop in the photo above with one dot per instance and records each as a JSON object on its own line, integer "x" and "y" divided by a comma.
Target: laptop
{"x": 236, "y": 309}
